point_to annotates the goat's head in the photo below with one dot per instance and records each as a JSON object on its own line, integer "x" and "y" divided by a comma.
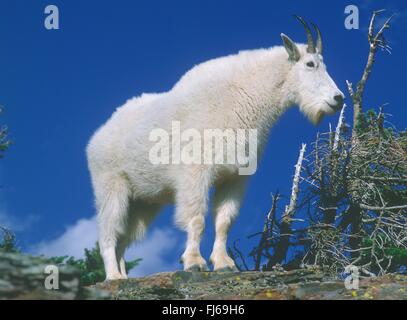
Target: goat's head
{"x": 311, "y": 86}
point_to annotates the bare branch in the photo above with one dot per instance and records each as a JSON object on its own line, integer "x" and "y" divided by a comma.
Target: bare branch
{"x": 350, "y": 88}
{"x": 375, "y": 41}
{"x": 289, "y": 210}
{"x": 339, "y": 128}
{"x": 364, "y": 206}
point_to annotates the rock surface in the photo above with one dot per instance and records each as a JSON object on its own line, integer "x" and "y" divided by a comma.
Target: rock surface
{"x": 298, "y": 284}
{"x": 23, "y": 277}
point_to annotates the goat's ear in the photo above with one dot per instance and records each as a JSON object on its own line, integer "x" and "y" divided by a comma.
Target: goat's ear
{"x": 291, "y": 47}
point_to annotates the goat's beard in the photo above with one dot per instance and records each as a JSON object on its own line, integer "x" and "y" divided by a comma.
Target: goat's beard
{"x": 314, "y": 115}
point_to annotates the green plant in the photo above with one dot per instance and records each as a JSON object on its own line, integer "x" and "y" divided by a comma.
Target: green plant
{"x": 9, "y": 243}
{"x": 4, "y": 142}
{"x": 91, "y": 266}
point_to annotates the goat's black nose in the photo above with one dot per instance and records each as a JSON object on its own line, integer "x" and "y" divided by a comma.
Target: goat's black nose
{"x": 339, "y": 98}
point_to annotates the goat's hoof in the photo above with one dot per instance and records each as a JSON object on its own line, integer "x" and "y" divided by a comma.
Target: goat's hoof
{"x": 197, "y": 268}
{"x": 228, "y": 269}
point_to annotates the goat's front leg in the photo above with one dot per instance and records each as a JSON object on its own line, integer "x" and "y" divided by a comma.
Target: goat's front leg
{"x": 227, "y": 199}
{"x": 191, "y": 206}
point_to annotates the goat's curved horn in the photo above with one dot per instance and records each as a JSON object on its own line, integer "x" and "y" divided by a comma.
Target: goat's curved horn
{"x": 310, "y": 40}
{"x": 319, "y": 40}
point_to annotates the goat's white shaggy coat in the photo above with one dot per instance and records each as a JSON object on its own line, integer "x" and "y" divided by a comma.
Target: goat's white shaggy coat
{"x": 249, "y": 90}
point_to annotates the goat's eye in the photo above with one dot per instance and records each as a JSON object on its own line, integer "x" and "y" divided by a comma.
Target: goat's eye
{"x": 311, "y": 64}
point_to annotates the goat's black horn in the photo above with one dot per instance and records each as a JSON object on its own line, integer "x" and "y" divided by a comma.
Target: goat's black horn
{"x": 310, "y": 40}
{"x": 319, "y": 39}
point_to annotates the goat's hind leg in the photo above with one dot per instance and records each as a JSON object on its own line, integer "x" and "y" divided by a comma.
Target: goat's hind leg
{"x": 112, "y": 220}
{"x": 122, "y": 243}
{"x": 139, "y": 217}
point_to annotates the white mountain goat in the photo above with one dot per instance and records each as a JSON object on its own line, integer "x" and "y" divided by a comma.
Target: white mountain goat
{"x": 249, "y": 90}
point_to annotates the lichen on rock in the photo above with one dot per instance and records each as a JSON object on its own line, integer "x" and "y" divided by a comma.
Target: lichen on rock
{"x": 302, "y": 284}
{"x": 23, "y": 277}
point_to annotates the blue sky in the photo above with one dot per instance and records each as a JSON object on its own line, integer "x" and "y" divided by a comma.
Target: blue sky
{"x": 59, "y": 86}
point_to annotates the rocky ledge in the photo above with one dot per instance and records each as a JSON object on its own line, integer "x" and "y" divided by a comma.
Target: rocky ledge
{"x": 24, "y": 277}
{"x": 306, "y": 284}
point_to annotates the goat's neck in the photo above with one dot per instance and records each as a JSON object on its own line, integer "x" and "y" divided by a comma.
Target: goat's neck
{"x": 265, "y": 92}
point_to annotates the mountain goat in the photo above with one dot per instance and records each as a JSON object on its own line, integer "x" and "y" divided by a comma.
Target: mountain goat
{"x": 249, "y": 90}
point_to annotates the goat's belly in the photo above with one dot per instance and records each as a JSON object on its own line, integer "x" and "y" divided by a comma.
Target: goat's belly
{"x": 148, "y": 180}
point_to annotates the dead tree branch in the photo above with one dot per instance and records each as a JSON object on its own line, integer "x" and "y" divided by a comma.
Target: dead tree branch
{"x": 283, "y": 243}
{"x": 376, "y": 41}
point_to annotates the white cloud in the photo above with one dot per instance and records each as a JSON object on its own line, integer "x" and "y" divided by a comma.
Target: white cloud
{"x": 16, "y": 224}
{"x": 83, "y": 234}
{"x": 159, "y": 250}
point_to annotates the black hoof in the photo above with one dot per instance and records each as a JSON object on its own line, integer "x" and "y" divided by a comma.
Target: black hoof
{"x": 197, "y": 268}
{"x": 228, "y": 269}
